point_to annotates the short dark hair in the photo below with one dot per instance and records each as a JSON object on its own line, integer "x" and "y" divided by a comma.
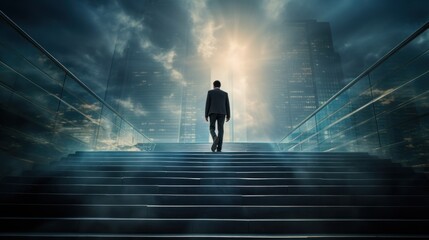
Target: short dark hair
{"x": 216, "y": 83}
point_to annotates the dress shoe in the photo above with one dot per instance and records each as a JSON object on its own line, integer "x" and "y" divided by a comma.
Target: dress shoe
{"x": 215, "y": 142}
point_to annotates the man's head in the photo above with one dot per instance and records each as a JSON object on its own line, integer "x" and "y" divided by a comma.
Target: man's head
{"x": 216, "y": 84}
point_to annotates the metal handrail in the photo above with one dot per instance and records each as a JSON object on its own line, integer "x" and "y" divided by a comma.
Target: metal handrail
{"x": 68, "y": 72}
{"x": 364, "y": 73}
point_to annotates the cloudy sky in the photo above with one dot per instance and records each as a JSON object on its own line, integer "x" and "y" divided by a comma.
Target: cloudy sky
{"x": 84, "y": 34}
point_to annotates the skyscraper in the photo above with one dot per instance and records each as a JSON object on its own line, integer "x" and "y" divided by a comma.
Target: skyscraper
{"x": 157, "y": 82}
{"x": 146, "y": 75}
{"x": 193, "y": 127}
{"x": 302, "y": 72}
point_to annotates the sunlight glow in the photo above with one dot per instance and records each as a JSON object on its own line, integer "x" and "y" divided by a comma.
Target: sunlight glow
{"x": 230, "y": 66}
{"x": 236, "y": 55}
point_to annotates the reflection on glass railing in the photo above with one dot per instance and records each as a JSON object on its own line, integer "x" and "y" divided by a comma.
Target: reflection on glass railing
{"x": 48, "y": 112}
{"x": 384, "y": 111}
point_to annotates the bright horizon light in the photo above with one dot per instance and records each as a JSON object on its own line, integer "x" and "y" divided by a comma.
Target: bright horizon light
{"x": 233, "y": 66}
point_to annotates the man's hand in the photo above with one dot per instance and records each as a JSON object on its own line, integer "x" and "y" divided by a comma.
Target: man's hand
{"x": 207, "y": 119}
{"x": 227, "y": 119}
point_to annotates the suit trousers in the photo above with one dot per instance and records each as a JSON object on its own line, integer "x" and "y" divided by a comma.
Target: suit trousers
{"x": 220, "y": 119}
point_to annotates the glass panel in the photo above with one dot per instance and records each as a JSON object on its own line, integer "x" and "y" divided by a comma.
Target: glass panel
{"x": 322, "y": 114}
{"x": 295, "y": 148}
{"x": 311, "y": 144}
{"x": 49, "y": 78}
{"x": 403, "y": 94}
{"x": 360, "y": 93}
{"x": 26, "y": 128}
{"x": 76, "y": 125}
{"x": 81, "y": 100}
{"x": 125, "y": 137}
{"x": 308, "y": 130}
{"x": 390, "y": 118}
{"x": 108, "y": 131}
{"x": 401, "y": 62}
{"x": 46, "y": 113}
{"x": 78, "y": 117}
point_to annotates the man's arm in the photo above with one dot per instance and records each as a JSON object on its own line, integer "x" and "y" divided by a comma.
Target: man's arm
{"x": 228, "y": 113}
{"x": 208, "y": 102}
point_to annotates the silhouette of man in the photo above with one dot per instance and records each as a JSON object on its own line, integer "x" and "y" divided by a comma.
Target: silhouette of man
{"x": 217, "y": 107}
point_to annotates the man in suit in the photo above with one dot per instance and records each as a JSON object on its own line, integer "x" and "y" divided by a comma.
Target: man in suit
{"x": 217, "y": 108}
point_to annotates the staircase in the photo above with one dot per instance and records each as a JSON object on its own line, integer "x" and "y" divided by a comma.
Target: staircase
{"x": 204, "y": 195}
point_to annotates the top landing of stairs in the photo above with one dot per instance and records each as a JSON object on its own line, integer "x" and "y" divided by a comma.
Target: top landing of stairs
{"x": 205, "y": 147}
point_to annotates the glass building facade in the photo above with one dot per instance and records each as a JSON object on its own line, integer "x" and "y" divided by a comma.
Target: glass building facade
{"x": 302, "y": 73}
{"x": 166, "y": 105}
{"x": 193, "y": 128}
{"x": 383, "y": 111}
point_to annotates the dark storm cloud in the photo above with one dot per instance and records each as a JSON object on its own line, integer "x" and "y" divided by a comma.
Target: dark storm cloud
{"x": 165, "y": 21}
{"x": 71, "y": 31}
{"x": 364, "y": 30}
{"x": 246, "y": 17}
{"x": 83, "y": 34}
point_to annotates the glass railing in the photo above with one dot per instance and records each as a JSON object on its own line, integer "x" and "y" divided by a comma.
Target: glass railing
{"x": 46, "y": 111}
{"x": 384, "y": 111}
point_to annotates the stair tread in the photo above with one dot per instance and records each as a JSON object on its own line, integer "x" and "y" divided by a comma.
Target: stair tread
{"x": 199, "y": 195}
{"x": 73, "y": 235}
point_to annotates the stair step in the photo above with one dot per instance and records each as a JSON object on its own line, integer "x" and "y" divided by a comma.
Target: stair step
{"x": 237, "y": 157}
{"x": 105, "y": 236}
{"x": 233, "y": 166}
{"x": 210, "y": 211}
{"x": 248, "y": 173}
{"x": 217, "y": 173}
{"x": 211, "y": 181}
{"x": 288, "y": 163}
{"x": 201, "y": 147}
{"x": 215, "y": 189}
{"x": 214, "y": 226}
{"x": 138, "y": 167}
{"x": 209, "y": 153}
{"x": 216, "y": 199}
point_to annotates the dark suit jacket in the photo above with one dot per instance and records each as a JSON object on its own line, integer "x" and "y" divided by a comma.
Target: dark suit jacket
{"x": 217, "y": 102}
